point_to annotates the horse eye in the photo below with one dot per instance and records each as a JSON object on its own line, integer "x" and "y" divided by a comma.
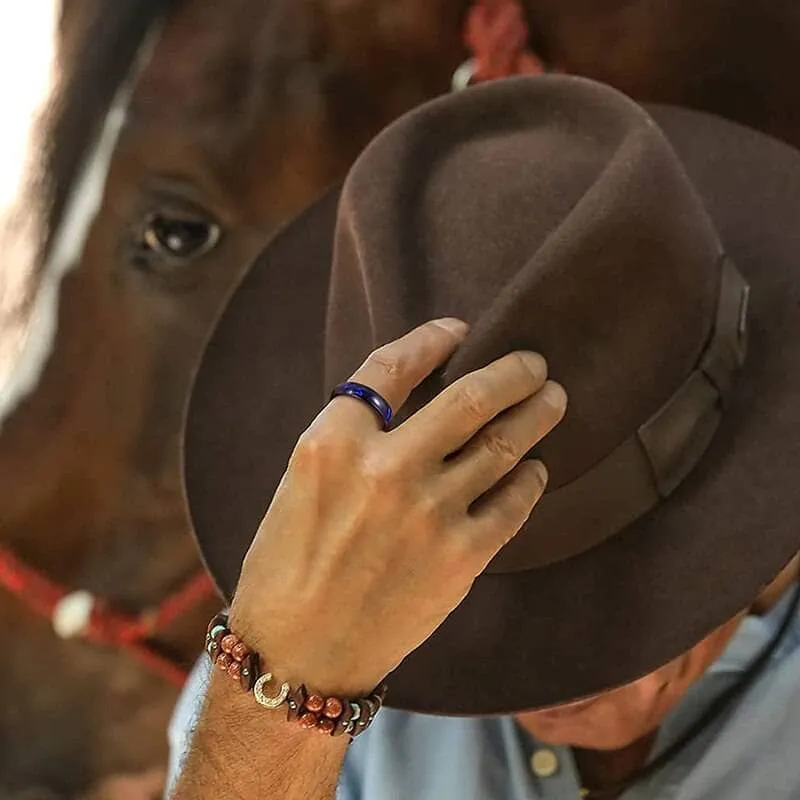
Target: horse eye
{"x": 180, "y": 238}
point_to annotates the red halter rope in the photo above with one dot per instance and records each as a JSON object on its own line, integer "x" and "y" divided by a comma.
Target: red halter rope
{"x": 496, "y": 33}
{"x": 103, "y": 625}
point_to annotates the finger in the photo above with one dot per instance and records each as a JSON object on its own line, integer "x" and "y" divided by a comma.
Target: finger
{"x": 502, "y": 444}
{"x": 395, "y": 369}
{"x": 498, "y": 516}
{"x": 450, "y": 420}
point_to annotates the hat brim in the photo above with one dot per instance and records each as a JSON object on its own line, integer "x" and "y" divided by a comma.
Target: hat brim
{"x": 601, "y": 619}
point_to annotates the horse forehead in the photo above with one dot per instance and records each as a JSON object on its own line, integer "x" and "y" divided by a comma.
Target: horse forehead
{"x": 30, "y": 75}
{"x": 215, "y": 61}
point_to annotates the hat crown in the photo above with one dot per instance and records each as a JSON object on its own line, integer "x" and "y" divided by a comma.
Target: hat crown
{"x": 630, "y": 597}
{"x": 552, "y": 215}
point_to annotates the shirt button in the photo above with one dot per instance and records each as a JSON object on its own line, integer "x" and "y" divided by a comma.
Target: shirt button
{"x": 544, "y": 763}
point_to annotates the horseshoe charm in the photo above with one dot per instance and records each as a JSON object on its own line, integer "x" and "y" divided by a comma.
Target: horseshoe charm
{"x": 265, "y": 700}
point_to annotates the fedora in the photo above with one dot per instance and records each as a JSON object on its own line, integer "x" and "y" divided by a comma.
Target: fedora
{"x": 650, "y": 254}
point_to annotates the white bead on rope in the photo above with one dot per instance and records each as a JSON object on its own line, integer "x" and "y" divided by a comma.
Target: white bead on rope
{"x": 72, "y": 615}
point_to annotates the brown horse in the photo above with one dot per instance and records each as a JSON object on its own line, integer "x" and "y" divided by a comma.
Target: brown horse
{"x": 246, "y": 110}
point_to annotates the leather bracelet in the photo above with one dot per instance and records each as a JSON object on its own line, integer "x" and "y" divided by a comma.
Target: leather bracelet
{"x": 333, "y": 716}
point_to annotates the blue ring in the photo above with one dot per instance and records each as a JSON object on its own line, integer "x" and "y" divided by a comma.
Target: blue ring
{"x": 368, "y": 396}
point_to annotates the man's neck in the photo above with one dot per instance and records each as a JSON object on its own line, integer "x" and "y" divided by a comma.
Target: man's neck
{"x": 601, "y": 770}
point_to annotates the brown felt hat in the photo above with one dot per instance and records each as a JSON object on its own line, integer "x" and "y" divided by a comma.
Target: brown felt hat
{"x": 642, "y": 252}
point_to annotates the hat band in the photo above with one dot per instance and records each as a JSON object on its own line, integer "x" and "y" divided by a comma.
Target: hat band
{"x": 648, "y": 466}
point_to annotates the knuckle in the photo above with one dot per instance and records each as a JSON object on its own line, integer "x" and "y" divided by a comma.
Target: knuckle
{"x": 430, "y": 511}
{"x": 310, "y": 447}
{"x": 464, "y": 555}
{"x": 520, "y": 498}
{"x": 520, "y": 501}
{"x": 320, "y": 445}
{"x": 383, "y": 475}
{"x": 474, "y": 401}
{"x": 390, "y": 361}
{"x": 501, "y": 447}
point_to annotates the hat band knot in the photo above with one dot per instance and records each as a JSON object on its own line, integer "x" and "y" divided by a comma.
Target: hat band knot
{"x": 648, "y": 466}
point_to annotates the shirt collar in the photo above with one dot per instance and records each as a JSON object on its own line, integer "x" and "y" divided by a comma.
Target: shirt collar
{"x": 754, "y": 634}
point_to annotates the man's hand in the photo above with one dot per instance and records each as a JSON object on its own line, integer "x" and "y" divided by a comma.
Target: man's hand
{"x": 374, "y": 537}
{"x": 371, "y": 540}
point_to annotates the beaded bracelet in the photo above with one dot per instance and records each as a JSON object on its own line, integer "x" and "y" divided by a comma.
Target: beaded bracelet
{"x": 329, "y": 715}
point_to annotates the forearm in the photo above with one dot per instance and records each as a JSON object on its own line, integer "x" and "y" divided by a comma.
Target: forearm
{"x": 241, "y": 750}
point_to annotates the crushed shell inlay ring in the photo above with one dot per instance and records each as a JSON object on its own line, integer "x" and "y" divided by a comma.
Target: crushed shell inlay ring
{"x": 265, "y": 700}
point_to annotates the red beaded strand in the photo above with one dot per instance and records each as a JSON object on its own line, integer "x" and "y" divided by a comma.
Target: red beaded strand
{"x": 230, "y": 654}
{"x": 328, "y": 715}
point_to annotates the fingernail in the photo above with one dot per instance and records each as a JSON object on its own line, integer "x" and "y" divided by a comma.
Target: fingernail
{"x": 555, "y": 394}
{"x": 535, "y": 363}
{"x": 456, "y": 326}
{"x": 541, "y": 470}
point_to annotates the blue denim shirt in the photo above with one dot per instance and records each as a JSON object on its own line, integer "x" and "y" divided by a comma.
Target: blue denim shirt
{"x": 753, "y": 753}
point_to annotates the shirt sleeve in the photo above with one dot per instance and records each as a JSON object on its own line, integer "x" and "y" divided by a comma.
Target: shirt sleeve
{"x": 184, "y": 720}
{"x": 349, "y": 787}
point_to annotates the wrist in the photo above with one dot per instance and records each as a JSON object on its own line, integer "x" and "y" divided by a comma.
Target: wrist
{"x": 334, "y": 668}
{"x": 339, "y": 714}
{"x": 239, "y": 750}
{"x": 237, "y": 712}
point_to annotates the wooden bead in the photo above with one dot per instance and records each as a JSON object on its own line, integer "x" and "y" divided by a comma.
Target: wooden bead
{"x": 223, "y": 661}
{"x": 295, "y": 702}
{"x": 308, "y": 721}
{"x": 369, "y": 708}
{"x": 333, "y": 708}
{"x": 228, "y": 643}
{"x": 344, "y": 720}
{"x": 240, "y": 651}
{"x": 235, "y": 670}
{"x": 315, "y": 703}
{"x": 326, "y": 726}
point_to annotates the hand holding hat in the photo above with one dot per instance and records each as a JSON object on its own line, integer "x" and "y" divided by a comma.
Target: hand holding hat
{"x": 368, "y": 524}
